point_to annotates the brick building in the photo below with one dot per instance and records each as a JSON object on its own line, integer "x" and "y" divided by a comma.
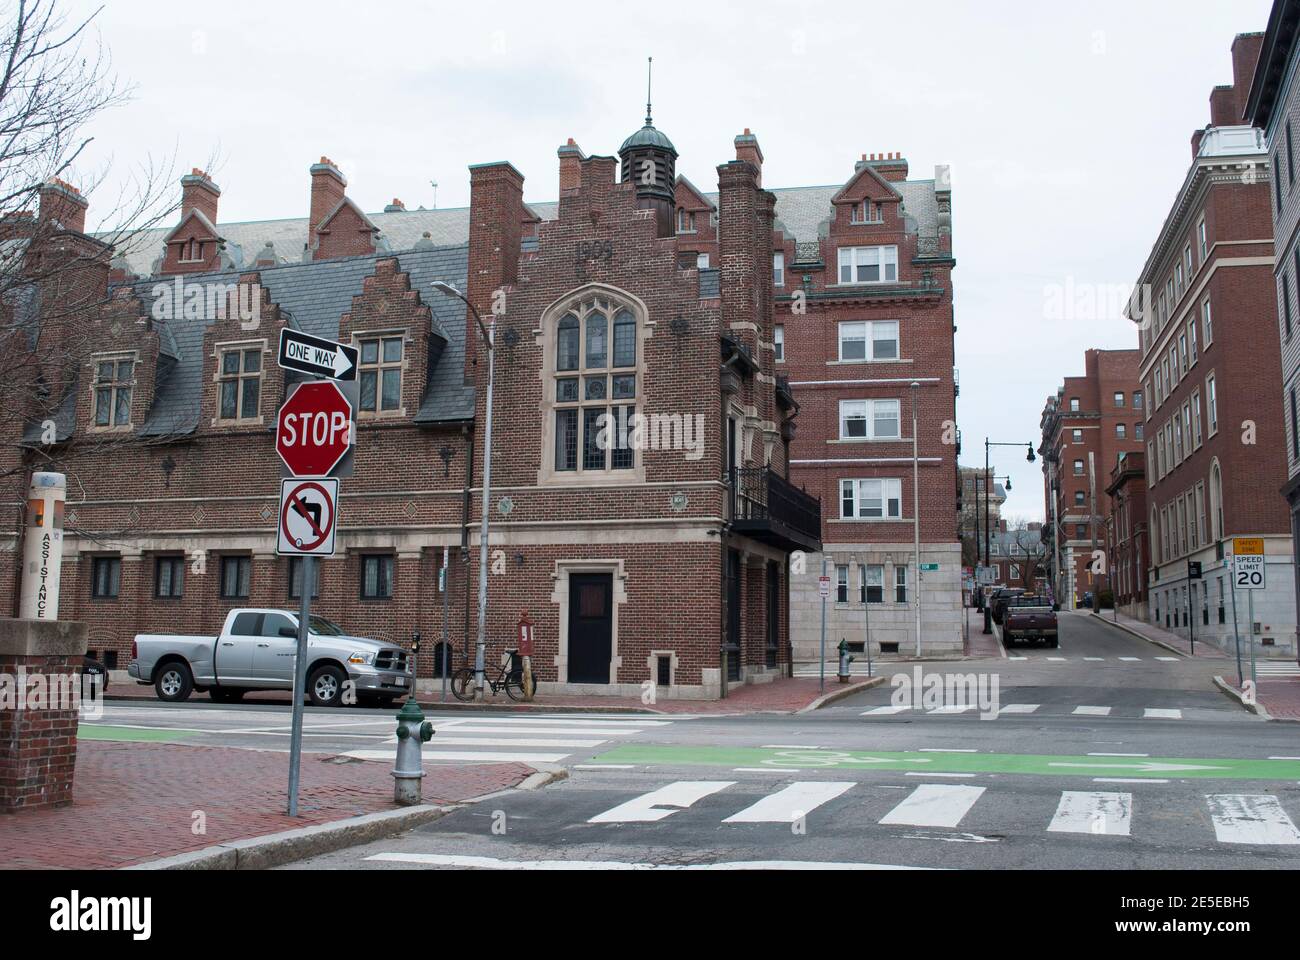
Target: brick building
{"x": 1273, "y": 106}
{"x": 864, "y": 327}
{"x": 602, "y": 308}
{"x": 1128, "y": 545}
{"x": 1090, "y": 422}
{"x": 1216, "y": 449}
{"x": 979, "y": 504}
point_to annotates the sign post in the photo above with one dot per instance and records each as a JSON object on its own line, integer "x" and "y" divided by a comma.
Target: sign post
{"x": 1248, "y": 572}
{"x": 1193, "y": 573}
{"x": 313, "y": 435}
{"x": 823, "y": 588}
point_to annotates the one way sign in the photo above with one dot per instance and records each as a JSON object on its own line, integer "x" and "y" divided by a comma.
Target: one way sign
{"x": 317, "y": 356}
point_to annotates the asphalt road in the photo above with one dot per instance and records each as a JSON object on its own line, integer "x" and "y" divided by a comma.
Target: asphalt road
{"x": 1105, "y": 753}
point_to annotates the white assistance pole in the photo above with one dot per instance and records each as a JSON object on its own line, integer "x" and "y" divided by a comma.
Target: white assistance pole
{"x": 300, "y": 680}
{"x": 43, "y": 547}
{"x": 821, "y": 586}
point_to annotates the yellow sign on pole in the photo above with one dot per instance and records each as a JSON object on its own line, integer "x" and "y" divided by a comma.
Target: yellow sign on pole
{"x": 1245, "y": 546}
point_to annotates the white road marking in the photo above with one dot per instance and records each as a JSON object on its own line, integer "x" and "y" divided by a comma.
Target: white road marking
{"x": 480, "y": 756}
{"x": 649, "y": 807}
{"x": 952, "y": 708}
{"x": 548, "y": 731}
{"x": 1124, "y": 780}
{"x": 946, "y": 776}
{"x": 791, "y": 803}
{"x": 1284, "y": 758}
{"x": 585, "y": 720}
{"x": 514, "y": 742}
{"x": 1057, "y": 660}
{"x": 493, "y": 863}
{"x": 947, "y": 750}
{"x": 878, "y": 711}
{"x": 1094, "y": 659}
{"x": 767, "y": 770}
{"x": 1157, "y": 713}
{"x": 1246, "y": 818}
{"x": 1102, "y": 814}
{"x": 934, "y": 805}
{"x": 1119, "y": 754}
{"x": 1019, "y": 708}
{"x": 1130, "y": 659}
{"x": 604, "y": 766}
{"x": 1092, "y": 711}
{"x": 788, "y": 746}
{"x": 1017, "y": 658}
{"x": 1168, "y": 659}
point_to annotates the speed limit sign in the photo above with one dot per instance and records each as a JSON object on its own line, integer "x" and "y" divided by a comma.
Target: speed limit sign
{"x": 1248, "y": 563}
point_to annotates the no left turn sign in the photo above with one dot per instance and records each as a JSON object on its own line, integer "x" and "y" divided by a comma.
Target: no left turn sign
{"x": 308, "y": 517}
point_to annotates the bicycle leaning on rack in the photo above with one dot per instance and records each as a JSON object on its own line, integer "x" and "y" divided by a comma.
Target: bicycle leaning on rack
{"x": 510, "y": 677}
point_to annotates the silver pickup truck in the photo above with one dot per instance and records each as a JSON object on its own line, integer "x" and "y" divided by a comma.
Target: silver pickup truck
{"x": 256, "y": 650}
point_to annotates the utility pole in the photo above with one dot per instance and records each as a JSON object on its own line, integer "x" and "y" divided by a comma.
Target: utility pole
{"x": 1092, "y": 524}
{"x": 916, "y": 519}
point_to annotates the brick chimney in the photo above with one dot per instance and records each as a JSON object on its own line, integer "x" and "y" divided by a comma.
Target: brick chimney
{"x": 496, "y": 217}
{"x": 748, "y": 150}
{"x": 62, "y": 203}
{"x": 395, "y": 207}
{"x": 1245, "y": 57}
{"x": 571, "y": 157}
{"x": 1197, "y": 137}
{"x": 198, "y": 192}
{"x": 328, "y": 187}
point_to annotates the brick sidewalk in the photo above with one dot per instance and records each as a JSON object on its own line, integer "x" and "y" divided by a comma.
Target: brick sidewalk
{"x": 1279, "y": 696}
{"x": 1150, "y": 631}
{"x": 978, "y": 645}
{"x": 787, "y": 695}
{"x": 136, "y": 801}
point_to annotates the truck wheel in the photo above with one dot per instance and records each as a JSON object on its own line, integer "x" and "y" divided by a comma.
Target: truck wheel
{"x": 325, "y": 686}
{"x": 174, "y": 682}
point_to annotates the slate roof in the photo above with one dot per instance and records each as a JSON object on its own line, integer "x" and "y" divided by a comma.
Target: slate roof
{"x": 802, "y": 212}
{"x": 314, "y": 296}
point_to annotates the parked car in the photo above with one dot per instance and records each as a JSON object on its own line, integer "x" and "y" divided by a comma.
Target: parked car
{"x": 256, "y": 650}
{"x": 1029, "y": 617}
{"x": 1000, "y": 598}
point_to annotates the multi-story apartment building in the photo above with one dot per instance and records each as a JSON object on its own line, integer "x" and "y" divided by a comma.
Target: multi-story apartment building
{"x": 865, "y": 336}
{"x": 980, "y": 503}
{"x": 164, "y": 425}
{"x": 1128, "y": 547}
{"x": 1018, "y": 556}
{"x": 1215, "y": 433}
{"x": 1274, "y": 107}
{"x": 1086, "y": 426}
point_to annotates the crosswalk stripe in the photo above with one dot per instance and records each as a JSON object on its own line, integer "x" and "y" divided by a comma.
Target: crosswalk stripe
{"x": 1257, "y": 819}
{"x": 1101, "y": 814}
{"x": 649, "y": 807}
{"x": 1130, "y": 659}
{"x": 1158, "y": 713}
{"x": 545, "y": 731}
{"x": 478, "y": 756}
{"x": 494, "y": 863}
{"x": 880, "y": 711}
{"x": 1094, "y": 659}
{"x": 934, "y": 805}
{"x": 514, "y": 742}
{"x": 1019, "y": 708}
{"x": 1168, "y": 659}
{"x": 956, "y": 708}
{"x": 1092, "y": 711}
{"x": 791, "y": 803}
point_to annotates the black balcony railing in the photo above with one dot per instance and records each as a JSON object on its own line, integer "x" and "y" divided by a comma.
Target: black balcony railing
{"x": 768, "y": 507}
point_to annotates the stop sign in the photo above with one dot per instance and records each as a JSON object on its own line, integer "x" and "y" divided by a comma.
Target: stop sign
{"x": 313, "y": 430}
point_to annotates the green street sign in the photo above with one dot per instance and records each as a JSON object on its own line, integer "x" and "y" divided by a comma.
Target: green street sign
{"x": 929, "y": 567}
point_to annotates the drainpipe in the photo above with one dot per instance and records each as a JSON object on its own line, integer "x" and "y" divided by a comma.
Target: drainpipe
{"x": 464, "y": 521}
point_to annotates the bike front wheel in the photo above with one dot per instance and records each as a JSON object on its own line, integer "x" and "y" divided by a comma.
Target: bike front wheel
{"x": 462, "y": 684}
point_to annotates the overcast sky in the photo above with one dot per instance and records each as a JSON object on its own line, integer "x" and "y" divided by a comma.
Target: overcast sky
{"x": 1066, "y": 126}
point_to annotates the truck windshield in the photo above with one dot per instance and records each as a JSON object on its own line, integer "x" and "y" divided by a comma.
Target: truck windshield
{"x": 326, "y": 628}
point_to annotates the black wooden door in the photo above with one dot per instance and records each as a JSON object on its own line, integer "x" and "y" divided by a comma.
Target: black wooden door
{"x": 773, "y": 612}
{"x": 591, "y": 627}
{"x": 733, "y": 615}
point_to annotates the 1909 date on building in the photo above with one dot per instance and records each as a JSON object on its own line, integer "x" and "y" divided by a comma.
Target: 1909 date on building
{"x": 589, "y": 250}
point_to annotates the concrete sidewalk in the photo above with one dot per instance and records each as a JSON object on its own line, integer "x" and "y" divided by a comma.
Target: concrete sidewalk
{"x": 1157, "y": 635}
{"x": 135, "y": 802}
{"x": 785, "y": 695}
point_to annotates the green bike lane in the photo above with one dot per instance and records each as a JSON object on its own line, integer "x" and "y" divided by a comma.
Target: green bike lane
{"x": 922, "y": 762}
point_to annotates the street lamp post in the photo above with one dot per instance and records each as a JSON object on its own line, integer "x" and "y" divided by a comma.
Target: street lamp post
{"x": 488, "y": 334}
{"x": 988, "y": 613}
{"x": 916, "y": 516}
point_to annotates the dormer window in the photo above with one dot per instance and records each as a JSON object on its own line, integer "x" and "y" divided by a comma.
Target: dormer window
{"x": 685, "y": 221}
{"x": 114, "y": 378}
{"x": 867, "y": 211}
{"x": 192, "y": 251}
{"x": 239, "y": 382}
{"x": 868, "y": 264}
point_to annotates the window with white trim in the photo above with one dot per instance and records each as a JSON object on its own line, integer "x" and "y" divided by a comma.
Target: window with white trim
{"x": 900, "y": 583}
{"x": 871, "y": 581}
{"x": 702, "y": 261}
{"x": 778, "y": 342}
{"x": 1211, "y": 405}
{"x": 239, "y": 382}
{"x": 1191, "y": 343}
{"x": 595, "y": 386}
{"x": 1202, "y": 240}
{"x": 114, "y": 380}
{"x": 1207, "y": 323}
{"x": 1196, "y": 419}
{"x": 871, "y": 499}
{"x": 778, "y": 268}
{"x": 867, "y": 211}
{"x": 869, "y": 340}
{"x": 868, "y": 264}
{"x": 869, "y": 419}
{"x": 685, "y": 221}
{"x": 380, "y": 373}
{"x": 841, "y": 583}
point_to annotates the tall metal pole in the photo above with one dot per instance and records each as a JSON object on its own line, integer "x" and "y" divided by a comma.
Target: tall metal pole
{"x": 480, "y": 651}
{"x": 300, "y": 680}
{"x": 1236, "y": 630}
{"x": 822, "y": 659}
{"x": 446, "y": 616}
{"x": 1250, "y": 635}
{"x": 916, "y": 516}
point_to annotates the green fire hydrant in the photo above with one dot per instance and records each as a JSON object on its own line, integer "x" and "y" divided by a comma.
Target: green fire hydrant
{"x": 413, "y": 731}
{"x": 845, "y": 660}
